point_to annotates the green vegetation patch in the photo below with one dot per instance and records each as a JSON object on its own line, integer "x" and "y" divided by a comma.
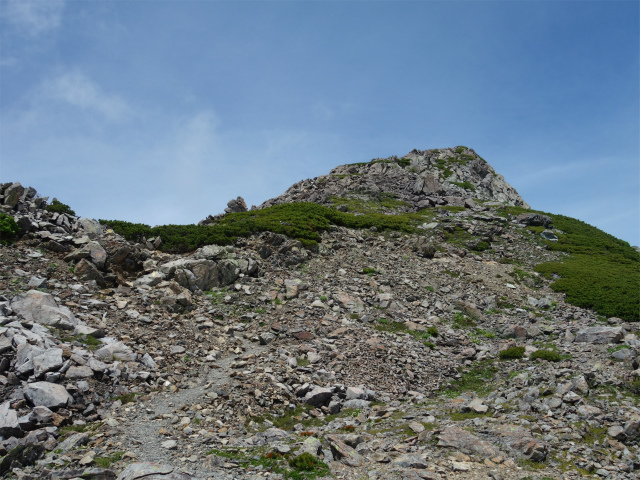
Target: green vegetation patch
{"x": 299, "y": 467}
{"x": 479, "y": 378}
{"x": 520, "y": 276}
{"x": 601, "y": 271}
{"x": 512, "y": 353}
{"x": 8, "y": 228}
{"x": 105, "y": 462}
{"x": 289, "y": 419}
{"x": 446, "y": 165}
{"x": 549, "y": 355}
{"x": 461, "y": 416}
{"x": 462, "y": 321}
{"x": 303, "y": 221}
{"x": 369, "y": 202}
{"x": 467, "y": 185}
{"x": 59, "y": 207}
{"x": 399, "y": 328}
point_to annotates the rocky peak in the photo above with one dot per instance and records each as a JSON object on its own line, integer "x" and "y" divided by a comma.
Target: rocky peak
{"x": 422, "y": 178}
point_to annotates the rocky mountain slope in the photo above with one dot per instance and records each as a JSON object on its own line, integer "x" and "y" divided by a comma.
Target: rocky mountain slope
{"x": 433, "y": 345}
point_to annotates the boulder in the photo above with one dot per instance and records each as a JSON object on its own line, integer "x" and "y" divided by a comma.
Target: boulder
{"x": 344, "y": 453}
{"x": 425, "y": 247}
{"x": 520, "y": 441}
{"x": 87, "y": 271}
{"x": 92, "y": 251}
{"x": 466, "y": 442}
{"x": 534, "y": 220}
{"x": 600, "y": 335}
{"x": 212, "y": 252}
{"x": 47, "y": 361}
{"x": 50, "y": 395}
{"x": 318, "y": 396}
{"x": 12, "y": 194}
{"x": 79, "y": 373}
{"x": 116, "y": 351}
{"x": 73, "y": 441}
{"x": 9, "y": 425}
{"x": 92, "y": 228}
{"x": 237, "y": 205}
{"x": 40, "y": 307}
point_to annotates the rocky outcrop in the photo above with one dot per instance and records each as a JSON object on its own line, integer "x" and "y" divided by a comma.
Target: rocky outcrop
{"x": 420, "y": 179}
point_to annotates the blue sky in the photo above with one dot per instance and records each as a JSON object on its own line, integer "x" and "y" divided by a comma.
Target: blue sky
{"x": 161, "y": 111}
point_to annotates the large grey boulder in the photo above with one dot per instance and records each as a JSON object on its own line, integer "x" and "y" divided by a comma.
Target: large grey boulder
{"x": 237, "y": 205}
{"x": 12, "y": 194}
{"x": 40, "y": 307}
{"x": 92, "y": 228}
{"x": 50, "y": 395}
{"x": 47, "y": 361}
{"x": 87, "y": 271}
{"x": 600, "y": 335}
{"x": 534, "y": 219}
{"x": 25, "y": 353}
{"x": 318, "y": 396}
{"x": 92, "y": 251}
{"x": 212, "y": 252}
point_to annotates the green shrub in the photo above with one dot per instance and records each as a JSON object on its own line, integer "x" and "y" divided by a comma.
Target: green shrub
{"x": 431, "y": 345}
{"x": 549, "y": 355}
{"x": 467, "y": 185}
{"x": 8, "y": 228}
{"x": 511, "y": 353}
{"x": 433, "y": 331}
{"x": 481, "y": 246}
{"x": 59, "y": 207}
{"x": 369, "y": 271}
{"x": 404, "y": 162}
{"x": 303, "y": 221}
{"x": 308, "y": 463}
{"x": 601, "y": 272}
{"x": 478, "y": 378}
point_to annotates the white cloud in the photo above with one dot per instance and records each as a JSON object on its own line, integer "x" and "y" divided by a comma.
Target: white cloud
{"x": 35, "y": 17}
{"x": 190, "y": 146}
{"x": 77, "y": 90}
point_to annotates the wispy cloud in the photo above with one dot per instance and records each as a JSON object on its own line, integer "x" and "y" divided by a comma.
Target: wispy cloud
{"x": 557, "y": 172}
{"x": 76, "y": 89}
{"x": 33, "y": 17}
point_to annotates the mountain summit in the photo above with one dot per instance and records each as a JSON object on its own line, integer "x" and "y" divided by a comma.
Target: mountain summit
{"x": 420, "y": 179}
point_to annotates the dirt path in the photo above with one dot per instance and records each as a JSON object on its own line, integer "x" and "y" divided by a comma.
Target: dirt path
{"x": 146, "y": 427}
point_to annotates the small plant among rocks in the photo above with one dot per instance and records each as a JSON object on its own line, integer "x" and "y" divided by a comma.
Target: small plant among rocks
{"x": 549, "y": 355}
{"x": 8, "y": 228}
{"x": 433, "y": 331}
{"x": 105, "y": 462}
{"x": 511, "y": 353}
{"x": 305, "y": 462}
